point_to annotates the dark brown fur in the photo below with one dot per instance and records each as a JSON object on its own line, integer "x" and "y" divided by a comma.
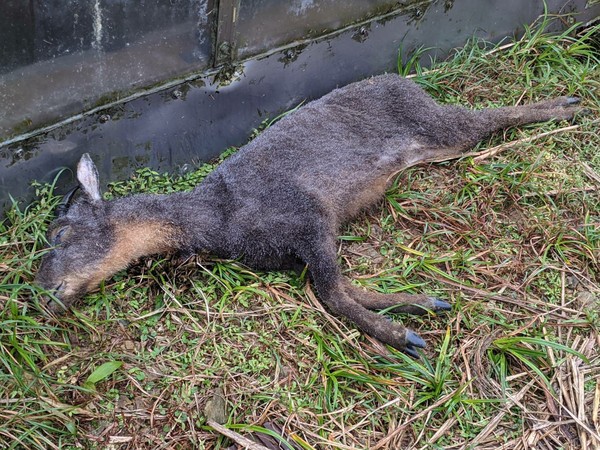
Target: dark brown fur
{"x": 279, "y": 202}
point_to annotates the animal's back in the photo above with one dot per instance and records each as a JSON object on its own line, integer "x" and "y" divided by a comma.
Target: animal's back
{"x": 339, "y": 150}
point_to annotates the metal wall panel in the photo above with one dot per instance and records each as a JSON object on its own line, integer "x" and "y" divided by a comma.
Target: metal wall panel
{"x": 61, "y": 57}
{"x": 265, "y": 24}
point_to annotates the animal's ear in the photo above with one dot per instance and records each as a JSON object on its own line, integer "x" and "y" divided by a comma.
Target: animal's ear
{"x": 87, "y": 175}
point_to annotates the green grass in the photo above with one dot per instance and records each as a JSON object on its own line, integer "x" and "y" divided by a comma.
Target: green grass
{"x": 512, "y": 240}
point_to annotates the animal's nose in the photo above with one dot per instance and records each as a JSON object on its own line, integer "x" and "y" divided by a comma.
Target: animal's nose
{"x": 53, "y": 306}
{"x": 58, "y": 288}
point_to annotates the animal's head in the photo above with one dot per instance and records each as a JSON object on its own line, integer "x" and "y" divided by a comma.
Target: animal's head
{"x": 80, "y": 237}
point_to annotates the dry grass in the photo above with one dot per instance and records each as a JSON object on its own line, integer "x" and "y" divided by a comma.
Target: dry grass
{"x": 510, "y": 235}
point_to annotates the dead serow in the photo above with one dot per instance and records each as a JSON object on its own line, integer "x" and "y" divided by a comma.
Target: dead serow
{"x": 279, "y": 202}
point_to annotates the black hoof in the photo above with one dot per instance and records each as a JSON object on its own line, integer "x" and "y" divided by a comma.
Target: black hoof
{"x": 414, "y": 340}
{"x": 411, "y": 351}
{"x": 440, "y": 305}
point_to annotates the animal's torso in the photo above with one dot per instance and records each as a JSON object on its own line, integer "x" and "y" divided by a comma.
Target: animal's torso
{"x": 324, "y": 163}
{"x": 339, "y": 150}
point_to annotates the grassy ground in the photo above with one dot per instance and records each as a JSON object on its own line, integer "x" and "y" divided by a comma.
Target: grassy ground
{"x": 511, "y": 237}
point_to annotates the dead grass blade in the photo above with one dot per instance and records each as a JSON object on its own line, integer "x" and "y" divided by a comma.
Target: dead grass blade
{"x": 493, "y": 424}
{"x": 236, "y": 437}
{"x": 383, "y": 442}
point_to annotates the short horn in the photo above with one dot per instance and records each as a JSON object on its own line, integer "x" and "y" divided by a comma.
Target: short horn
{"x": 65, "y": 203}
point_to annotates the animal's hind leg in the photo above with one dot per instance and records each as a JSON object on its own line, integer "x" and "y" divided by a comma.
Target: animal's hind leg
{"x": 560, "y": 108}
{"x": 481, "y": 124}
{"x": 558, "y": 102}
{"x": 454, "y": 130}
{"x": 396, "y": 303}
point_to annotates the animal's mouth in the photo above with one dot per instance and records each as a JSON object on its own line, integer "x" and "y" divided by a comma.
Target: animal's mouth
{"x": 53, "y": 302}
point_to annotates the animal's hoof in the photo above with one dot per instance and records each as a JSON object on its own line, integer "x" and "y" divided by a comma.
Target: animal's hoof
{"x": 411, "y": 351}
{"x": 573, "y": 100}
{"x": 440, "y": 305}
{"x": 413, "y": 341}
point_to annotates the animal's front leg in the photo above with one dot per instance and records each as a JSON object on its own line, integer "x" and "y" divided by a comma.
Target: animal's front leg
{"x": 329, "y": 284}
{"x": 396, "y": 303}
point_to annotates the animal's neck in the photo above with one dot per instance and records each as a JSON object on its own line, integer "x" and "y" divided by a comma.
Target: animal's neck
{"x": 144, "y": 237}
{"x": 156, "y": 224}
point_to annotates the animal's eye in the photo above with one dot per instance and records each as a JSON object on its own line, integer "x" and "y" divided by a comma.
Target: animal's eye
{"x": 60, "y": 234}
